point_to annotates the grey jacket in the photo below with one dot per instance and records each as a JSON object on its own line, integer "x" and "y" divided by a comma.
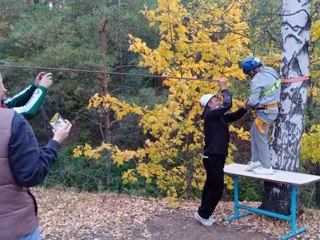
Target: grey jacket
{"x": 261, "y": 82}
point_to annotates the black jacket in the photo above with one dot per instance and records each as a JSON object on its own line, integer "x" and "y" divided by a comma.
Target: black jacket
{"x": 216, "y": 129}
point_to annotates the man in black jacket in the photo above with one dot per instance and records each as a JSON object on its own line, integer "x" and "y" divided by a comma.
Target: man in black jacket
{"x": 216, "y": 131}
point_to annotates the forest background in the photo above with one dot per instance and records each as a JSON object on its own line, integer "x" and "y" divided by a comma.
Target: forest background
{"x": 149, "y": 126}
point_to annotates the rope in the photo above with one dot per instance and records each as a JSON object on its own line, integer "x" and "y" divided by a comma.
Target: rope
{"x": 297, "y": 79}
{"x": 5, "y": 65}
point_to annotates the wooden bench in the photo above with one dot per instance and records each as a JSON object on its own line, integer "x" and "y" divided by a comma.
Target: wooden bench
{"x": 291, "y": 178}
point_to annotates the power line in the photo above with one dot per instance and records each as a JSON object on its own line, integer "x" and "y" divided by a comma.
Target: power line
{"x": 4, "y": 64}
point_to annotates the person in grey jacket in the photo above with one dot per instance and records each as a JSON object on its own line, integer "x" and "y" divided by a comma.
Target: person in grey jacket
{"x": 22, "y": 165}
{"x": 264, "y": 99}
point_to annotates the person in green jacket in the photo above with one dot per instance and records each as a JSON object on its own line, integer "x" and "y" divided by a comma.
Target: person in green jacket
{"x": 28, "y": 101}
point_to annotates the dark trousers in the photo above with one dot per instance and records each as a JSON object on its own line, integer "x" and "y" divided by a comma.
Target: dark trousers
{"x": 214, "y": 185}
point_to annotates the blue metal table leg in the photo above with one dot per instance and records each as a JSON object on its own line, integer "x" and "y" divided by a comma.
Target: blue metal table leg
{"x": 293, "y": 217}
{"x": 236, "y": 200}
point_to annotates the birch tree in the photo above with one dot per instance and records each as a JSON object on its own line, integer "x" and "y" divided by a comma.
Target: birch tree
{"x": 287, "y": 132}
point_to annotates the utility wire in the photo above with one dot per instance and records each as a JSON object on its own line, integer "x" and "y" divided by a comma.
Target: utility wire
{"x": 4, "y": 64}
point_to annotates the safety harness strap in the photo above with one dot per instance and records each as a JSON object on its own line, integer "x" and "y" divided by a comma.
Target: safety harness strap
{"x": 259, "y": 121}
{"x": 268, "y": 106}
{"x": 260, "y": 124}
{"x": 272, "y": 89}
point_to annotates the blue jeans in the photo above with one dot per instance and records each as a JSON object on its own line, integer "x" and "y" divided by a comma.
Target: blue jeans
{"x": 35, "y": 235}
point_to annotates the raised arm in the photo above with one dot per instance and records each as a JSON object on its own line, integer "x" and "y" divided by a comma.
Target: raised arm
{"x": 21, "y": 98}
{"x": 29, "y": 102}
{"x": 226, "y": 103}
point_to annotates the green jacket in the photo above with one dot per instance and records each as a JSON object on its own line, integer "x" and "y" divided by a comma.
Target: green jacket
{"x": 28, "y": 102}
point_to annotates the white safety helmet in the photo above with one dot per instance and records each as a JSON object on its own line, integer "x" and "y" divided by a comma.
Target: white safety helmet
{"x": 205, "y": 98}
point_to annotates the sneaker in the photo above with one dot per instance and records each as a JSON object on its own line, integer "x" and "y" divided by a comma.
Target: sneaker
{"x": 252, "y": 165}
{"x": 206, "y": 222}
{"x": 263, "y": 171}
{"x": 213, "y": 220}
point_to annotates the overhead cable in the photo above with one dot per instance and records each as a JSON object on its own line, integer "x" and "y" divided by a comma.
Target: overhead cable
{"x": 4, "y": 64}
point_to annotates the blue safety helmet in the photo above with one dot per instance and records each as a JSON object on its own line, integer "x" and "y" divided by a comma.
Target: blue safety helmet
{"x": 250, "y": 63}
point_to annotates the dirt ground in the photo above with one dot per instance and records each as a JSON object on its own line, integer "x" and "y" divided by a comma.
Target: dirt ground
{"x": 70, "y": 215}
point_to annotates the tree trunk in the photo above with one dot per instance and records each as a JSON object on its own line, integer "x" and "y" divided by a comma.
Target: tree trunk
{"x": 104, "y": 89}
{"x": 104, "y": 80}
{"x": 287, "y": 132}
{"x": 189, "y": 174}
{"x": 119, "y": 43}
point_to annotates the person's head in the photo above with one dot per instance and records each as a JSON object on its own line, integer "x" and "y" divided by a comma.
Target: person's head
{"x": 3, "y": 90}
{"x": 251, "y": 66}
{"x": 209, "y": 100}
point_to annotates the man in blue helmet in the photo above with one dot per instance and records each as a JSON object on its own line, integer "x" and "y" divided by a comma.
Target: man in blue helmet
{"x": 264, "y": 99}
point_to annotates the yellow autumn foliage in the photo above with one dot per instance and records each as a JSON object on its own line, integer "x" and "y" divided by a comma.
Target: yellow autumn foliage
{"x": 315, "y": 49}
{"x": 206, "y": 41}
{"x": 310, "y": 144}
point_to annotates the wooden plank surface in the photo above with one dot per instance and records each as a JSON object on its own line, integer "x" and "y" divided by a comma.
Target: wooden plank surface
{"x": 278, "y": 175}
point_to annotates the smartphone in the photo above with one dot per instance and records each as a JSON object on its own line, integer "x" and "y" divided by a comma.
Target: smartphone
{"x": 56, "y": 121}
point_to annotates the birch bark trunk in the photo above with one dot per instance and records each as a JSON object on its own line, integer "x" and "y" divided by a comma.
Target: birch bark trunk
{"x": 288, "y": 128}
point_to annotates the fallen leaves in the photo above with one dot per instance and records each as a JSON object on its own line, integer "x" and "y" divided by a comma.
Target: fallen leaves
{"x": 65, "y": 214}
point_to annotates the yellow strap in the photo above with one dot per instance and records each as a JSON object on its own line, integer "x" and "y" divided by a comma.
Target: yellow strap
{"x": 261, "y": 124}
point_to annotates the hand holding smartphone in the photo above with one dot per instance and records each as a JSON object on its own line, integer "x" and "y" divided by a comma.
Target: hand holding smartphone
{"x": 61, "y": 128}
{"x": 56, "y": 121}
